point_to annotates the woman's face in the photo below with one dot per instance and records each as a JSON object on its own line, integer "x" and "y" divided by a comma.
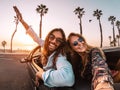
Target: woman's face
{"x": 55, "y": 39}
{"x": 78, "y": 44}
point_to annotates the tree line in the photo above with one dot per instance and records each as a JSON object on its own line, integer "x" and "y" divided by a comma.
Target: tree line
{"x": 42, "y": 10}
{"x": 98, "y": 13}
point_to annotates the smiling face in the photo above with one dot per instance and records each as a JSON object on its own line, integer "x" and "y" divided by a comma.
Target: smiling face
{"x": 55, "y": 40}
{"x": 77, "y": 44}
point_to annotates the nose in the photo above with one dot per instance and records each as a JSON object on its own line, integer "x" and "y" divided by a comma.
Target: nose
{"x": 79, "y": 43}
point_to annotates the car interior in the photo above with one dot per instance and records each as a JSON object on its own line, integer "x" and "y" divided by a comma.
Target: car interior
{"x": 112, "y": 57}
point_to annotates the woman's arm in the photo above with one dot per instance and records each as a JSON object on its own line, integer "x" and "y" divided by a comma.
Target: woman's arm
{"x": 102, "y": 78}
{"x": 28, "y": 29}
{"x": 20, "y": 18}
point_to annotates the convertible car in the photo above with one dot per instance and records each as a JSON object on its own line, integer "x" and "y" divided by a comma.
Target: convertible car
{"x": 113, "y": 59}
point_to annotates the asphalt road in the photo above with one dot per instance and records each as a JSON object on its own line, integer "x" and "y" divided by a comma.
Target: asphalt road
{"x": 13, "y": 74}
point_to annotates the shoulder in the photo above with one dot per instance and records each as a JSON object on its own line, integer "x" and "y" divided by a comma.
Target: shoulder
{"x": 62, "y": 59}
{"x": 95, "y": 50}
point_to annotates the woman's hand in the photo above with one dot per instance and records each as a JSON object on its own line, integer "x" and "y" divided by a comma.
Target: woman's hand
{"x": 38, "y": 77}
{"x": 37, "y": 81}
{"x": 104, "y": 86}
{"x": 39, "y": 74}
{"x": 102, "y": 83}
{"x": 19, "y": 15}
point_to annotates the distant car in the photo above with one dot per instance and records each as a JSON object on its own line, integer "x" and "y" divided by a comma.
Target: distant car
{"x": 113, "y": 57}
{"x": 112, "y": 54}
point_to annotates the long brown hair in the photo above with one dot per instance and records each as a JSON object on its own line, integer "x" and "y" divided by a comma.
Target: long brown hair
{"x": 84, "y": 55}
{"x": 61, "y": 49}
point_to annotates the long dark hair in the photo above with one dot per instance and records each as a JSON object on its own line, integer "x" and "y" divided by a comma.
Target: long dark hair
{"x": 83, "y": 55}
{"x": 61, "y": 49}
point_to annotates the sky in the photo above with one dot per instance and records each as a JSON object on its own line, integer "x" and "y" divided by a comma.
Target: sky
{"x": 60, "y": 15}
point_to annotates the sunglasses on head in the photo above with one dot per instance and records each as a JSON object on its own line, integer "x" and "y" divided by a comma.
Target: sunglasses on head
{"x": 75, "y": 43}
{"x": 58, "y": 40}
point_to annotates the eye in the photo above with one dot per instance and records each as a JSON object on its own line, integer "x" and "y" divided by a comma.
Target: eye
{"x": 80, "y": 39}
{"x": 59, "y": 40}
{"x": 75, "y": 43}
{"x": 51, "y": 37}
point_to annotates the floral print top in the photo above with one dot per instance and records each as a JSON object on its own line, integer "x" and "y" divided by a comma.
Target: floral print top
{"x": 97, "y": 67}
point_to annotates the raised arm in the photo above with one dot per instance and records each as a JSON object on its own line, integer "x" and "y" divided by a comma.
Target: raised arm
{"x": 28, "y": 29}
{"x": 20, "y": 18}
{"x": 102, "y": 78}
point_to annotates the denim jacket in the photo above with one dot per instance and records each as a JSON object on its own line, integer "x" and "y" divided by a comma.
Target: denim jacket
{"x": 60, "y": 76}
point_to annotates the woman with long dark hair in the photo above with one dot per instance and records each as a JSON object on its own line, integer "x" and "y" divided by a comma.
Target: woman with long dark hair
{"x": 56, "y": 71}
{"x": 92, "y": 66}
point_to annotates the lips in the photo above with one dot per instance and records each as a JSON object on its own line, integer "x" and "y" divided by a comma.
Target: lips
{"x": 81, "y": 48}
{"x": 52, "y": 46}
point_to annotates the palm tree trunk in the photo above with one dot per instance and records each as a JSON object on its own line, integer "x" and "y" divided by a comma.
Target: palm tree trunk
{"x": 13, "y": 36}
{"x": 101, "y": 34}
{"x": 40, "y": 32}
{"x": 119, "y": 32}
{"x": 80, "y": 26}
{"x": 11, "y": 44}
{"x": 4, "y": 49}
{"x": 118, "y": 35}
{"x": 110, "y": 41}
{"x": 118, "y": 42}
{"x": 114, "y": 41}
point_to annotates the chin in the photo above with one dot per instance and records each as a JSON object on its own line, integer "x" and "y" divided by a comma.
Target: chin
{"x": 51, "y": 49}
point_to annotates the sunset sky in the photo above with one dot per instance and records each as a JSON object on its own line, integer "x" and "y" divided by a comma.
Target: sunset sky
{"x": 60, "y": 15}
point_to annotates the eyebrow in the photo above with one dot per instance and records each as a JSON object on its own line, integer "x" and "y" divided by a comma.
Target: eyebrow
{"x": 56, "y": 37}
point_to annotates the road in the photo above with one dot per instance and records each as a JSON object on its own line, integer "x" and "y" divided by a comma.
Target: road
{"x": 13, "y": 74}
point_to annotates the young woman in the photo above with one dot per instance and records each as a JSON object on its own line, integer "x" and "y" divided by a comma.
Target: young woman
{"x": 56, "y": 71}
{"x": 92, "y": 64}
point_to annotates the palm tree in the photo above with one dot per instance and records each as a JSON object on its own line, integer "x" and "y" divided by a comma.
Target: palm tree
{"x": 110, "y": 40}
{"x": 80, "y": 12}
{"x": 97, "y": 13}
{"x": 112, "y": 19}
{"x": 4, "y": 44}
{"x": 16, "y": 22}
{"x": 118, "y": 26}
{"x": 41, "y": 9}
{"x": 112, "y": 43}
{"x": 118, "y": 37}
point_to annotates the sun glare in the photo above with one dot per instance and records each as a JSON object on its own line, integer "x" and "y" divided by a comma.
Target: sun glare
{"x": 25, "y": 42}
